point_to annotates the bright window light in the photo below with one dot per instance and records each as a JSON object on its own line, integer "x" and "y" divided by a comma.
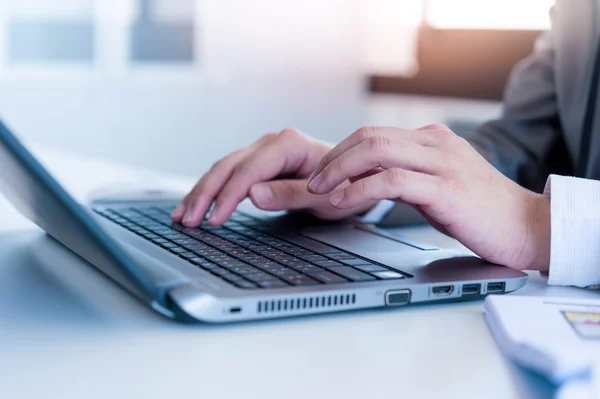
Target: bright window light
{"x": 487, "y": 14}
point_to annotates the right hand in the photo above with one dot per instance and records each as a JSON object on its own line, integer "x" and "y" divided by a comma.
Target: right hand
{"x": 273, "y": 172}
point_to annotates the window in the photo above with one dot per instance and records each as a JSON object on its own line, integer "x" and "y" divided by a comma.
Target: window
{"x": 390, "y": 27}
{"x": 82, "y": 40}
{"x": 487, "y": 14}
{"x": 41, "y": 31}
{"x": 163, "y": 31}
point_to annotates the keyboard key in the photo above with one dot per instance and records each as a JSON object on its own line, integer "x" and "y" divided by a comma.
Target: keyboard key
{"x": 313, "y": 258}
{"x": 352, "y": 274}
{"x": 272, "y": 284}
{"x": 259, "y": 278}
{"x": 307, "y": 268}
{"x": 371, "y": 268}
{"x": 232, "y": 277}
{"x": 341, "y": 255}
{"x": 292, "y": 262}
{"x": 250, "y": 271}
{"x": 388, "y": 275}
{"x": 237, "y": 269}
{"x": 269, "y": 266}
{"x": 328, "y": 263}
{"x": 177, "y": 250}
{"x": 354, "y": 262}
{"x": 284, "y": 273}
{"x": 328, "y": 277}
{"x": 187, "y": 255}
{"x": 300, "y": 280}
{"x": 246, "y": 252}
{"x": 245, "y": 284}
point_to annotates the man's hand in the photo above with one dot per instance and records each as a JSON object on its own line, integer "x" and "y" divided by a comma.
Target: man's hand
{"x": 444, "y": 178}
{"x": 273, "y": 172}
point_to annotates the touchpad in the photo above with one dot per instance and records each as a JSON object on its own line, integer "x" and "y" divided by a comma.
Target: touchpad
{"x": 360, "y": 240}
{"x": 378, "y": 245}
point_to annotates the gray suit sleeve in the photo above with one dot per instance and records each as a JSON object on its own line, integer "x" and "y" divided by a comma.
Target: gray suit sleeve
{"x": 525, "y": 143}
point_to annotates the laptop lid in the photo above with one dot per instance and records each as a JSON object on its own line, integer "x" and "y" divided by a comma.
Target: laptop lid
{"x": 39, "y": 197}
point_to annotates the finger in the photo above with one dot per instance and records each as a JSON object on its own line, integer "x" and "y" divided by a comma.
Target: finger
{"x": 366, "y": 174}
{"x": 283, "y": 156}
{"x": 414, "y": 188}
{"x": 284, "y": 195}
{"x": 362, "y": 134}
{"x": 377, "y": 152}
{"x": 292, "y": 195}
{"x": 193, "y": 208}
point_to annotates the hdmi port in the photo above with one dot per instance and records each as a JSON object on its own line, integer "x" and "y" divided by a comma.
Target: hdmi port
{"x": 442, "y": 290}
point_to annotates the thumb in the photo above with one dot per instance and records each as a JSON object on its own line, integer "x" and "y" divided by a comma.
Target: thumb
{"x": 279, "y": 195}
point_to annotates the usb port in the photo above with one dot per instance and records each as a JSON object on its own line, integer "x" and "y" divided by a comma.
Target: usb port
{"x": 493, "y": 288}
{"x": 442, "y": 290}
{"x": 471, "y": 289}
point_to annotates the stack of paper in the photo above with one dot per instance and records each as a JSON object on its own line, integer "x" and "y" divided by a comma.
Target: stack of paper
{"x": 557, "y": 337}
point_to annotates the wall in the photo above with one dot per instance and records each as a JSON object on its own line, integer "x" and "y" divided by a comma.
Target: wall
{"x": 264, "y": 65}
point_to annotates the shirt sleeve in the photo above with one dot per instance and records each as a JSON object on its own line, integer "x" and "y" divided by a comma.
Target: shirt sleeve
{"x": 575, "y": 231}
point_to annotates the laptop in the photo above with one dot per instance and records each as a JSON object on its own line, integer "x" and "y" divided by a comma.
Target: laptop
{"x": 255, "y": 266}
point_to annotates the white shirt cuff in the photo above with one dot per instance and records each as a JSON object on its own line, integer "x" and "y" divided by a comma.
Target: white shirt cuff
{"x": 575, "y": 231}
{"x": 378, "y": 212}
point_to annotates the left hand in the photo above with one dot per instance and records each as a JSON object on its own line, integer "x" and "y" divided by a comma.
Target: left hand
{"x": 445, "y": 179}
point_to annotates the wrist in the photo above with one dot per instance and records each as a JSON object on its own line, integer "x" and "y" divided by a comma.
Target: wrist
{"x": 539, "y": 232}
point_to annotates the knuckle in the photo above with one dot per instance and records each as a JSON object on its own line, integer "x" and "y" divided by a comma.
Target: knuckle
{"x": 379, "y": 143}
{"x": 243, "y": 168}
{"x": 290, "y": 134}
{"x": 436, "y": 126}
{"x": 364, "y": 132}
{"x": 443, "y": 133}
{"x": 283, "y": 192}
{"x": 396, "y": 177}
{"x": 333, "y": 167}
{"x": 462, "y": 142}
{"x": 268, "y": 137}
{"x": 452, "y": 187}
{"x": 218, "y": 164}
{"x": 361, "y": 187}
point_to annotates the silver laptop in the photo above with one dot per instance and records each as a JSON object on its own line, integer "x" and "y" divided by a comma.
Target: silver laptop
{"x": 251, "y": 268}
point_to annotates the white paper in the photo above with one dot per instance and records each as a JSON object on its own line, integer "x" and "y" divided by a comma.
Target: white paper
{"x": 557, "y": 337}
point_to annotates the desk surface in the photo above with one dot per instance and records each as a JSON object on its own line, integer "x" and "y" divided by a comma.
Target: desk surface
{"x": 81, "y": 336}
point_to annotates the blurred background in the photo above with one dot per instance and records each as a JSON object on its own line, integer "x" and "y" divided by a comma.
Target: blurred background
{"x": 174, "y": 84}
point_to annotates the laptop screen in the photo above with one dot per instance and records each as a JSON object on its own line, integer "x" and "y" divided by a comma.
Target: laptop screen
{"x": 35, "y": 193}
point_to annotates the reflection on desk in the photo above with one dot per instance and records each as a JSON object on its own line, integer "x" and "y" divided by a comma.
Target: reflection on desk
{"x": 69, "y": 332}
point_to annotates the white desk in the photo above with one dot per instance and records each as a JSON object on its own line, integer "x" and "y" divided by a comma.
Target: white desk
{"x": 82, "y": 337}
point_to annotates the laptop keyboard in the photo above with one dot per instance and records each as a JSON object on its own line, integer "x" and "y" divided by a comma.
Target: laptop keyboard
{"x": 240, "y": 253}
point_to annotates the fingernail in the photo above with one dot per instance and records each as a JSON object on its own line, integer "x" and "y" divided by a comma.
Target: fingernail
{"x": 314, "y": 183}
{"x": 178, "y": 211}
{"x": 189, "y": 214}
{"x": 263, "y": 195}
{"x": 337, "y": 198}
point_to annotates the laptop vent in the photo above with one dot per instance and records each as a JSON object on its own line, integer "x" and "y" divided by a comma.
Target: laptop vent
{"x": 298, "y": 304}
